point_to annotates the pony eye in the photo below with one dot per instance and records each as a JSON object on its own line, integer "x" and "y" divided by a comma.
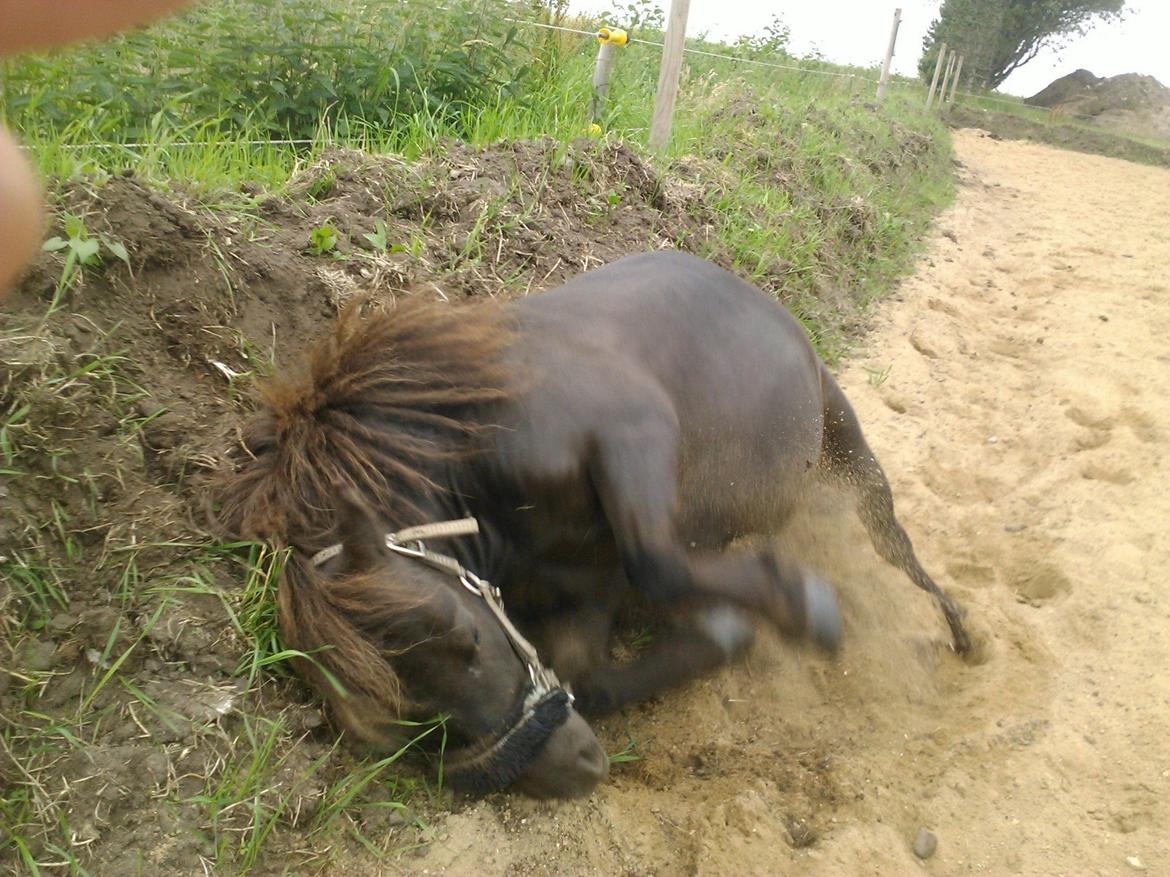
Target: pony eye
{"x": 464, "y": 640}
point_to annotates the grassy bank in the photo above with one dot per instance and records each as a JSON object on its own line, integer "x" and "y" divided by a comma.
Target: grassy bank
{"x": 809, "y": 175}
{"x": 147, "y": 720}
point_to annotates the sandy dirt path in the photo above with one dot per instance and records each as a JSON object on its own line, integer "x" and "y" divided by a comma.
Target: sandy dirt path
{"x": 1016, "y": 391}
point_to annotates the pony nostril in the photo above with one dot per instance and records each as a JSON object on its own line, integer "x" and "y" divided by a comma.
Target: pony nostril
{"x": 592, "y": 760}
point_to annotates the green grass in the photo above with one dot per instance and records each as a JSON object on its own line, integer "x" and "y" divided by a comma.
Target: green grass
{"x": 48, "y": 401}
{"x": 503, "y": 83}
{"x": 241, "y": 807}
{"x": 1015, "y": 106}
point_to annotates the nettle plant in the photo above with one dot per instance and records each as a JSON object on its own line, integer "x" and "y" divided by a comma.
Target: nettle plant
{"x": 279, "y": 68}
{"x": 323, "y": 241}
{"x": 82, "y": 250}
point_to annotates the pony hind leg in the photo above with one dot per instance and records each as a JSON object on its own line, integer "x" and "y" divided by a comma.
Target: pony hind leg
{"x": 846, "y": 455}
{"x": 634, "y": 472}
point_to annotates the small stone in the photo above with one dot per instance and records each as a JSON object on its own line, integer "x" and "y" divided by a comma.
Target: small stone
{"x": 925, "y": 844}
{"x": 1135, "y": 863}
{"x": 993, "y": 440}
{"x": 62, "y": 622}
{"x": 395, "y": 819}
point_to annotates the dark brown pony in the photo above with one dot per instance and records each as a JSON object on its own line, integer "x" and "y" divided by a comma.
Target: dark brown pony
{"x": 612, "y": 438}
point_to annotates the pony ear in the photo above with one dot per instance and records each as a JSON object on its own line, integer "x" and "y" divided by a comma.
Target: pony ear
{"x": 362, "y": 536}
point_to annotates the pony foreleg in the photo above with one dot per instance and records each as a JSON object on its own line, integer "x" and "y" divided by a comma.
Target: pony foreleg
{"x": 713, "y": 637}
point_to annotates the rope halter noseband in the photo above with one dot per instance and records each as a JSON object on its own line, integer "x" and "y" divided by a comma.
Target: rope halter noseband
{"x": 493, "y": 764}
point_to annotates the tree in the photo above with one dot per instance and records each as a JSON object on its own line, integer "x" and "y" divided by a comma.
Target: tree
{"x": 998, "y": 36}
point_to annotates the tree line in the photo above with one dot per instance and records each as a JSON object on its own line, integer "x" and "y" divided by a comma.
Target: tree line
{"x": 996, "y": 37}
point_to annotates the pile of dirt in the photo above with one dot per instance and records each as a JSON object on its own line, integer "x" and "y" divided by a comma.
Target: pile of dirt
{"x": 1131, "y": 102}
{"x": 1084, "y": 92}
{"x": 130, "y": 713}
{"x": 1068, "y": 88}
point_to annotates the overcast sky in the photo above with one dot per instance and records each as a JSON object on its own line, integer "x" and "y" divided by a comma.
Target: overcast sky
{"x": 856, "y": 31}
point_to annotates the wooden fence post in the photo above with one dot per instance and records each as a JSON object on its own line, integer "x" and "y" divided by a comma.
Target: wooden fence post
{"x": 610, "y": 39}
{"x": 672, "y": 55}
{"x": 884, "y": 81}
{"x": 955, "y": 81}
{"x": 942, "y": 53}
{"x": 942, "y": 92}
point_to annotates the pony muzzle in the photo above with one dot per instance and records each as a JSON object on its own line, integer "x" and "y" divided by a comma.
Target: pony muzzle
{"x": 549, "y": 751}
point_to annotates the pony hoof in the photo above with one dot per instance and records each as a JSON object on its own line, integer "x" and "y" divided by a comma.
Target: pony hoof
{"x": 729, "y": 628}
{"x": 961, "y": 642}
{"x": 973, "y": 643}
{"x": 822, "y": 615}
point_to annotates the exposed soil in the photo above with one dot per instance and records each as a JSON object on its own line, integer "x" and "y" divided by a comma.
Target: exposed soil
{"x": 1015, "y": 390}
{"x": 208, "y": 301}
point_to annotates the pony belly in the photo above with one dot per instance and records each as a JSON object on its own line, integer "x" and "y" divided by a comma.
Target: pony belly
{"x": 715, "y": 512}
{"x": 730, "y": 489}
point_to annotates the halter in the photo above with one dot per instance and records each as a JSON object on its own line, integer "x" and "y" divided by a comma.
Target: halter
{"x": 495, "y": 763}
